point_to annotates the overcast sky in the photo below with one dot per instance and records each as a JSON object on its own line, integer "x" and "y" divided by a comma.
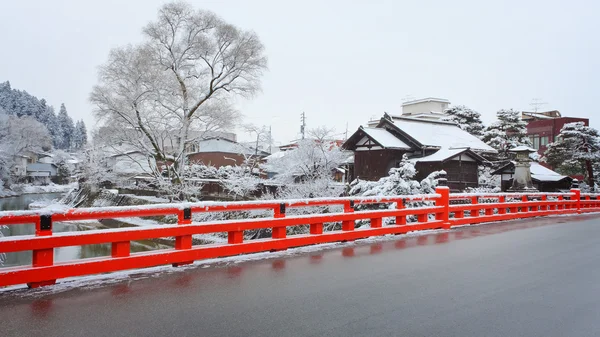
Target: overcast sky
{"x": 341, "y": 62}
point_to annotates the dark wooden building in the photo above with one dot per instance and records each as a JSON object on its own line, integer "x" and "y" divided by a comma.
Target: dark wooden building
{"x": 431, "y": 145}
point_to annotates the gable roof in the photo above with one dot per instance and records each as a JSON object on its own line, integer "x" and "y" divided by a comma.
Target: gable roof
{"x": 444, "y": 155}
{"x": 384, "y": 138}
{"x": 436, "y": 134}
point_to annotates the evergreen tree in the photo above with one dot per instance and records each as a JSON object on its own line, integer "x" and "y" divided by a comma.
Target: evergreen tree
{"x": 80, "y": 135}
{"x": 576, "y": 151}
{"x": 67, "y": 129}
{"x": 467, "y": 119}
{"x": 507, "y": 132}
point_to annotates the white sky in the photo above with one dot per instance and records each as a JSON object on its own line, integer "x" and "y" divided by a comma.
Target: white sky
{"x": 338, "y": 61}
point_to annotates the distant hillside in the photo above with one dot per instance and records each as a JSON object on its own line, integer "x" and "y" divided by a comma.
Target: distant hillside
{"x": 65, "y": 134}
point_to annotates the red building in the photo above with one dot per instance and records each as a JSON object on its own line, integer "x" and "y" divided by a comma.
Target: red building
{"x": 543, "y": 129}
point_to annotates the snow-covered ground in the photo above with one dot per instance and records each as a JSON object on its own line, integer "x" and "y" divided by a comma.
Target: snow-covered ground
{"x": 19, "y": 189}
{"x": 148, "y": 198}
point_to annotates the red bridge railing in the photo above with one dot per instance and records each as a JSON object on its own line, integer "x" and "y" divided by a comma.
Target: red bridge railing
{"x": 409, "y": 213}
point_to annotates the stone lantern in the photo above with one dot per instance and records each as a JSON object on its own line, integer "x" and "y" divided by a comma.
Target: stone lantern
{"x": 522, "y": 179}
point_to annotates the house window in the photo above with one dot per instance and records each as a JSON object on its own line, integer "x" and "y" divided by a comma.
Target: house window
{"x": 544, "y": 141}
{"x": 536, "y": 142}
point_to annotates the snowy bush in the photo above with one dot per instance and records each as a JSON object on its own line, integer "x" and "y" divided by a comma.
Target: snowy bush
{"x": 400, "y": 181}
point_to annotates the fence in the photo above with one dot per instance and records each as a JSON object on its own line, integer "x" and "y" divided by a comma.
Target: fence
{"x": 441, "y": 210}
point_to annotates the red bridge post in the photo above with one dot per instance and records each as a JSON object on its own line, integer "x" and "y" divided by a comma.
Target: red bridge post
{"x": 443, "y": 201}
{"x": 43, "y": 257}
{"x": 184, "y": 217}
{"x": 577, "y": 199}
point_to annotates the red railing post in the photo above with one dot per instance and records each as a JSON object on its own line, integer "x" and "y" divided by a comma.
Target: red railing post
{"x": 348, "y": 225}
{"x": 279, "y": 232}
{"x": 443, "y": 201}
{"x": 525, "y": 199}
{"x": 43, "y": 257}
{"x": 587, "y": 201}
{"x": 474, "y": 212}
{"x": 544, "y": 206}
{"x": 400, "y": 220}
{"x": 316, "y": 228}
{"x": 376, "y": 222}
{"x": 184, "y": 217}
{"x": 577, "y": 198}
{"x": 502, "y": 201}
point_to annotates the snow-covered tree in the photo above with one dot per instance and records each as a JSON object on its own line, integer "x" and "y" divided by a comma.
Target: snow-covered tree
{"x": 307, "y": 170}
{"x": 18, "y": 135}
{"x": 79, "y": 135}
{"x": 66, "y": 127}
{"x": 467, "y": 119}
{"x": 576, "y": 151}
{"x": 181, "y": 78}
{"x": 507, "y": 132}
{"x": 400, "y": 181}
{"x": 261, "y": 135}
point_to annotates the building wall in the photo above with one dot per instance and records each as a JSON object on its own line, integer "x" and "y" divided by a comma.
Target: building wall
{"x": 544, "y": 132}
{"x": 424, "y": 107}
{"x": 217, "y": 159}
{"x": 460, "y": 174}
{"x": 375, "y": 164}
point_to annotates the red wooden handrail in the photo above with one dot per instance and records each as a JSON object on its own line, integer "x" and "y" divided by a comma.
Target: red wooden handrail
{"x": 44, "y": 271}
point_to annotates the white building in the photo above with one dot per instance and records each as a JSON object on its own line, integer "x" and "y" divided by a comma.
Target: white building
{"x": 426, "y": 108}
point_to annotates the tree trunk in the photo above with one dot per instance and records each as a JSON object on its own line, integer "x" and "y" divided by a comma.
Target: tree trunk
{"x": 590, "y": 173}
{"x": 183, "y": 135}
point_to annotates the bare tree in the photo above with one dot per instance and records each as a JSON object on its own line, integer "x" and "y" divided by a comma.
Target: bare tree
{"x": 182, "y": 78}
{"x": 263, "y": 136}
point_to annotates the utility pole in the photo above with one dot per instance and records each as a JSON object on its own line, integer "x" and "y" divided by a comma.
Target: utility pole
{"x": 346, "y": 134}
{"x": 270, "y": 140}
{"x": 303, "y": 125}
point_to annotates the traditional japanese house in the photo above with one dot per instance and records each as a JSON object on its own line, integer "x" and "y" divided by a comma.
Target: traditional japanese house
{"x": 432, "y": 145}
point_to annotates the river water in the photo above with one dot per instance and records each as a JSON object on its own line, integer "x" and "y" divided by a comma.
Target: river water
{"x": 63, "y": 253}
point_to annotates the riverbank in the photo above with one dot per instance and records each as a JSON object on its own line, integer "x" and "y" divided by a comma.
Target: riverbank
{"x": 16, "y": 190}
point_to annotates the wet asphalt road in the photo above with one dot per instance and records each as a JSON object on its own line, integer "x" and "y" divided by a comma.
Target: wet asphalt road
{"x": 529, "y": 278}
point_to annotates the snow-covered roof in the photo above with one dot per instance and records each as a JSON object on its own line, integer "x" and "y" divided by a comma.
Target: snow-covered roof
{"x": 538, "y": 172}
{"x": 541, "y": 173}
{"x": 40, "y": 167}
{"x": 385, "y": 138}
{"x": 276, "y": 155}
{"x": 442, "y": 155}
{"x": 428, "y": 99}
{"x": 522, "y": 148}
{"x": 225, "y": 146}
{"x": 431, "y": 115}
{"x": 440, "y": 134}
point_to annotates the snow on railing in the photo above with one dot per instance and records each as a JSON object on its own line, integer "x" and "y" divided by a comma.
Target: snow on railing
{"x": 409, "y": 213}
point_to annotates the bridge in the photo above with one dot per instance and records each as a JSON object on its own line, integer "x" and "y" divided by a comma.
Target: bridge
{"x": 533, "y": 277}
